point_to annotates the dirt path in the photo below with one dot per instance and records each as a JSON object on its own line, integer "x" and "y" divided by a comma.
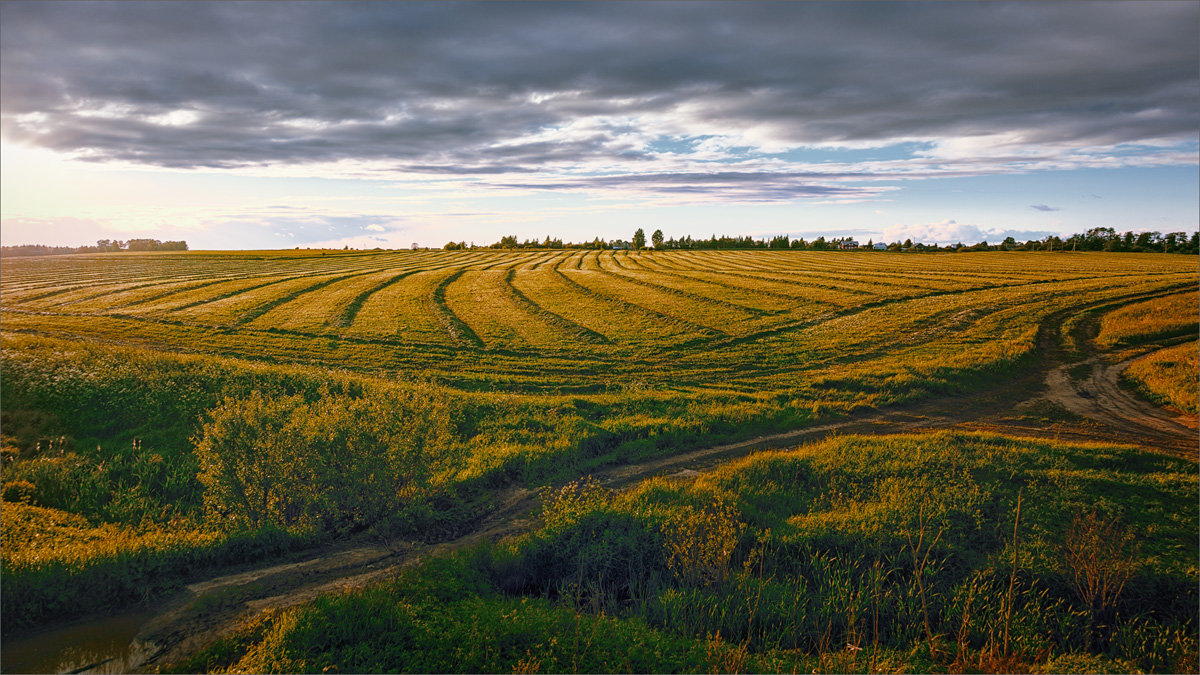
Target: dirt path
{"x": 1080, "y": 400}
{"x": 1099, "y": 396}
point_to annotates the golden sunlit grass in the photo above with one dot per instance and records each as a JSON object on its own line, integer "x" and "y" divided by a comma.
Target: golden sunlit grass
{"x": 1174, "y": 314}
{"x": 1169, "y": 376}
{"x": 527, "y": 368}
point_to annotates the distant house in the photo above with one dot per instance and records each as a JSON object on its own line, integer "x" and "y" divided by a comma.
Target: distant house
{"x": 848, "y": 244}
{"x": 880, "y": 246}
{"x": 620, "y": 246}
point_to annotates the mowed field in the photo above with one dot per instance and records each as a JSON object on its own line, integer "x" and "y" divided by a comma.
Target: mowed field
{"x": 576, "y": 321}
{"x": 169, "y": 415}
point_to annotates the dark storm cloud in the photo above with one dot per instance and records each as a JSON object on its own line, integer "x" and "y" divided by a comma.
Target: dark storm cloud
{"x": 729, "y": 185}
{"x": 494, "y": 88}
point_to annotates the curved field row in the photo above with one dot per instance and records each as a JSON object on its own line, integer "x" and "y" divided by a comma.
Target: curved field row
{"x": 554, "y": 292}
{"x": 1161, "y": 317}
{"x": 1168, "y": 376}
{"x": 547, "y": 319}
{"x": 623, "y": 294}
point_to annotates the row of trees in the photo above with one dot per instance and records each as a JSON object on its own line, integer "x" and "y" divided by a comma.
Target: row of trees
{"x": 1095, "y": 239}
{"x": 102, "y": 246}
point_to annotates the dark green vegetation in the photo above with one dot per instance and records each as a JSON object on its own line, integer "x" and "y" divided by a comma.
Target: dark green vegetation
{"x": 102, "y": 246}
{"x": 917, "y": 553}
{"x": 166, "y": 414}
{"x": 1095, "y": 239}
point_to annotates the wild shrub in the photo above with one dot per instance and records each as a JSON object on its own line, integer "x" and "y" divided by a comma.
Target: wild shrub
{"x": 604, "y": 560}
{"x": 333, "y": 463}
{"x": 19, "y": 491}
{"x": 699, "y": 543}
{"x": 1099, "y": 558}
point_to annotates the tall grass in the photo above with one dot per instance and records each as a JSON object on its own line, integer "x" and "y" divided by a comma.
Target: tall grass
{"x": 939, "y": 552}
{"x": 58, "y": 564}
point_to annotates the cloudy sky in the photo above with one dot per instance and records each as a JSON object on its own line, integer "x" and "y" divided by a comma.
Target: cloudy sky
{"x": 273, "y": 124}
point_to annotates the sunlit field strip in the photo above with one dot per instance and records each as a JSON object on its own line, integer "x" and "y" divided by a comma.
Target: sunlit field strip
{"x": 88, "y": 276}
{"x": 891, "y": 323}
{"x": 668, "y": 260}
{"x": 505, "y": 260}
{"x": 984, "y": 327}
{"x": 553, "y": 291}
{"x": 724, "y": 264}
{"x": 347, "y": 314}
{"x": 716, "y": 287}
{"x": 777, "y": 295}
{"x": 577, "y": 332}
{"x": 993, "y": 270}
{"x": 97, "y": 269}
{"x": 956, "y": 319}
{"x": 207, "y": 293}
{"x": 109, "y": 269}
{"x": 1170, "y": 315}
{"x": 93, "y": 296}
{"x": 700, "y": 318}
{"x": 858, "y": 285}
{"x": 590, "y": 261}
{"x": 561, "y": 258}
{"x": 79, "y": 296}
{"x": 402, "y": 310}
{"x": 630, "y": 268}
{"x": 546, "y": 258}
{"x": 612, "y": 316}
{"x": 484, "y": 302}
{"x": 150, "y": 295}
{"x": 285, "y": 296}
{"x": 319, "y": 309}
{"x": 1168, "y": 376}
{"x": 193, "y": 273}
{"x": 1029, "y": 264}
{"x": 780, "y": 360}
{"x": 243, "y": 305}
{"x": 322, "y": 307}
{"x": 688, "y": 290}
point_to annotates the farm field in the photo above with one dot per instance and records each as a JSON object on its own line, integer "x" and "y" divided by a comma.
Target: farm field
{"x": 170, "y": 415}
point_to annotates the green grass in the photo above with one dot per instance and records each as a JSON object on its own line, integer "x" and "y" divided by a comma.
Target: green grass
{"x": 524, "y": 368}
{"x": 925, "y": 553}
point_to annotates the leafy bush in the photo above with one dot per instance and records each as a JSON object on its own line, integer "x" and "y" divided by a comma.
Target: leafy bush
{"x": 333, "y": 463}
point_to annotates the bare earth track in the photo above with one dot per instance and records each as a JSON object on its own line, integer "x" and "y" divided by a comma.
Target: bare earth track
{"x": 1058, "y": 398}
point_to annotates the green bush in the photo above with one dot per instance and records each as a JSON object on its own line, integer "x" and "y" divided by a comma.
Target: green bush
{"x": 337, "y": 462}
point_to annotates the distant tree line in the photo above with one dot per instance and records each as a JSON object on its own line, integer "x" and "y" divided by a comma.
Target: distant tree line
{"x": 1095, "y": 239}
{"x": 102, "y": 246}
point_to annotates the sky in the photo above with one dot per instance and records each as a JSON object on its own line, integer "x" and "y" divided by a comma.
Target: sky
{"x": 236, "y": 125}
